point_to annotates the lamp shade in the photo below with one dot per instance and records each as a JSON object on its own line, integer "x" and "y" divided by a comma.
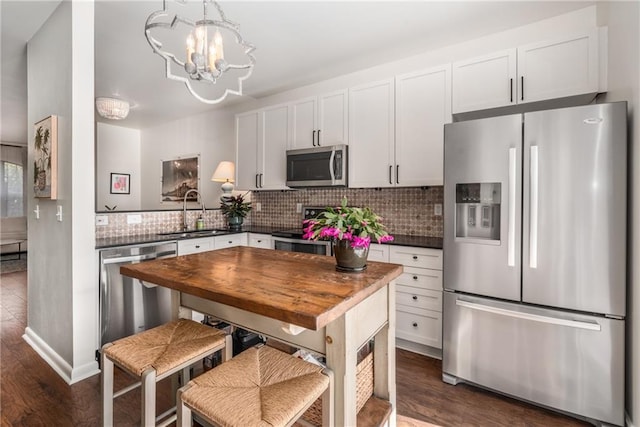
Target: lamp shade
{"x": 225, "y": 172}
{"x": 112, "y": 108}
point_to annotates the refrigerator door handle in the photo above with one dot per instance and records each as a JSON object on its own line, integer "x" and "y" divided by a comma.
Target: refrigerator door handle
{"x": 529, "y": 316}
{"x": 511, "y": 234}
{"x": 533, "y": 222}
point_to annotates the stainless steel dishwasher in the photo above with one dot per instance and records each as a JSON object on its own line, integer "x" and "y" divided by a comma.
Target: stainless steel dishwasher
{"x": 128, "y": 306}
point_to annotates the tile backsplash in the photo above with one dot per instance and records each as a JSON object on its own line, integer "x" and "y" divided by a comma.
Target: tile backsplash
{"x": 408, "y": 211}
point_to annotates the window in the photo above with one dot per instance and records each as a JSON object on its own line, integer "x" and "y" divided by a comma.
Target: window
{"x": 11, "y": 190}
{"x": 13, "y": 161}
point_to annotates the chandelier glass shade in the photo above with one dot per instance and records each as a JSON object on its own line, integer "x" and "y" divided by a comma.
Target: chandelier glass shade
{"x": 201, "y": 60}
{"x": 112, "y": 108}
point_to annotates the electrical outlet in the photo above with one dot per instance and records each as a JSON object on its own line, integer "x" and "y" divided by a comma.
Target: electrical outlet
{"x": 298, "y": 207}
{"x": 102, "y": 220}
{"x": 134, "y": 219}
{"x": 437, "y": 209}
{"x": 258, "y": 207}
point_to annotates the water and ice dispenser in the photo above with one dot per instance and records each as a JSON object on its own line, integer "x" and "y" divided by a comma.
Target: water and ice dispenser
{"x": 478, "y": 211}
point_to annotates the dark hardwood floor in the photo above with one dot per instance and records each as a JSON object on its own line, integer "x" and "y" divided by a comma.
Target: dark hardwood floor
{"x": 32, "y": 394}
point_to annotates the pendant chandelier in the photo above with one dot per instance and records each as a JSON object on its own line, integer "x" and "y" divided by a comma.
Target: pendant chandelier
{"x": 201, "y": 61}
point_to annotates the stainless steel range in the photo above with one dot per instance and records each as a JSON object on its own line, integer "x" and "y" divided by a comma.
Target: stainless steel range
{"x": 291, "y": 240}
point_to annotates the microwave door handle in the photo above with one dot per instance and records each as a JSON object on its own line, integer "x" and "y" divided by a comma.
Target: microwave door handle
{"x": 332, "y": 167}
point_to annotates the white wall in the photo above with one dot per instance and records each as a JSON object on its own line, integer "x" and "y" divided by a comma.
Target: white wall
{"x": 62, "y": 289}
{"x": 623, "y": 20}
{"x": 118, "y": 151}
{"x": 211, "y": 135}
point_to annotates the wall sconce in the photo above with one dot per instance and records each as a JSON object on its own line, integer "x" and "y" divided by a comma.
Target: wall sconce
{"x": 225, "y": 173}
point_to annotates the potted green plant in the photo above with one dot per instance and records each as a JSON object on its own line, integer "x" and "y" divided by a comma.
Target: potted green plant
{"x": 235, "y": 209}
{"x": 351, "y": 229}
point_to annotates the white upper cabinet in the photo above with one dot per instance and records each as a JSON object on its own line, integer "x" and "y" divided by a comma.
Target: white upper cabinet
{"x": 272, "y": 174}
{"x": 261, "y": 141}
{"x": 423, "y": 106}
{"x": 487, "y": 81}
{"x": 559, "y": 68}
{"x": 539, "y": 71}
{"x": 247, "y": 142}
{"x": 371, "y": 135}
{"x": 319, "y": 121}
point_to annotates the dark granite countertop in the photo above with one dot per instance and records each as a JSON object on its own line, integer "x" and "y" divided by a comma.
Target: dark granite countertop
{"x": 140, "y": 239}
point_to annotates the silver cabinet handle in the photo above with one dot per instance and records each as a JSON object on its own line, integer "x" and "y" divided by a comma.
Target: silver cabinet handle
{"x": 319, "y": 137}
{"x": 257, "y": 181}
{"x": 511, "y": 224}
{"x": 529, "y": 316}
{"x": 261, "y": 180}
{"x": 533, "y": 209}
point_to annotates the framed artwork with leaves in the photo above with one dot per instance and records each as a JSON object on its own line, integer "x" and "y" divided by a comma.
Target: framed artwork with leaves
{"x": 45, "y": 158}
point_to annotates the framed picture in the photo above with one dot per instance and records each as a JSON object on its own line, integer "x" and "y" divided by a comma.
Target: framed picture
{"x": 120, "y": 183}
{"x": 45, "y": 158}
{"x": 179, "y": 176}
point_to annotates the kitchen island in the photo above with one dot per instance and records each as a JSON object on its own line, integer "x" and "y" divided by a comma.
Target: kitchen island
{"x": 296, "y": 298}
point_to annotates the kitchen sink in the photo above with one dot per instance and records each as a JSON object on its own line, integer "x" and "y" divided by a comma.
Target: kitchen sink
{"x": 193, "y": 233}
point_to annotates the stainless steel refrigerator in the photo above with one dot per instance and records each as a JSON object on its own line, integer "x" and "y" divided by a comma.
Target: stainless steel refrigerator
{"x": 535, "y": 257}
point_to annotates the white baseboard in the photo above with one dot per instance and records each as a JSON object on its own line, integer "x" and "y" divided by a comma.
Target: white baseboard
{"x": 425, "y": 350}
{"x": 68, "y": 373}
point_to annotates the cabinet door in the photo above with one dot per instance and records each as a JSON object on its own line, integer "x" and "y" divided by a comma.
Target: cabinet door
{"x": 333, "y": 118}
{"x": 272, "y": 172}
{"x": 303, "y": 118}
{"x": 423, "y": 106}
{"x": 247, "y": 134}
{"x": 485, "y": 82}
{"x": 371, "y": 134}
{"x": 559, "y": 68}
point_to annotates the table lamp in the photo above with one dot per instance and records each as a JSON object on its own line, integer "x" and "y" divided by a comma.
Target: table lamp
{"x": 225, "y": 173}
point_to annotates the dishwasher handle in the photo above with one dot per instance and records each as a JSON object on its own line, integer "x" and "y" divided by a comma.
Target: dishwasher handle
{"x": 132, "y": 258}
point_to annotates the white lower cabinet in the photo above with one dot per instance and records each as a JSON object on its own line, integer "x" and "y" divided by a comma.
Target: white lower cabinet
{"x": 193, "y": 246}
{"x": 260, "y": 241}
{"x": 419, "y": 299}
{"x": 230, "y": 240}
{"x": 378, "y": 253}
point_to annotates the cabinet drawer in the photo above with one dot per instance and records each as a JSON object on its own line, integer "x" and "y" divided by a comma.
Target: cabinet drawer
{"x": 192, "y": 246}
{"x": 419, "y": 298}
{"x": 230, "y": 240}
{"x": 421, "y": 278}
{"x": 420, "y": 326}
{"x": 260, "y": 241}
{"x": 416, "y": 257}
{"x": 378, "y": 253}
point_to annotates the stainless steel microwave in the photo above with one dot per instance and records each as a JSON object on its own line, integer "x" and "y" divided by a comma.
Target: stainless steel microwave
{"x": 317, "y": 167}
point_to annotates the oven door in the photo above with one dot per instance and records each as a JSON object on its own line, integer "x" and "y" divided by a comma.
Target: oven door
{"x": 300, "y": 245}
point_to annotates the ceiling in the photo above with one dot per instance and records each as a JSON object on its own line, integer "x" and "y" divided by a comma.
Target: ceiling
{"x": 297, "y": 43}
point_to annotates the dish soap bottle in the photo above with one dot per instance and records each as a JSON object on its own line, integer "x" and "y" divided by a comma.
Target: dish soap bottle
{"x": 200, "y": 223}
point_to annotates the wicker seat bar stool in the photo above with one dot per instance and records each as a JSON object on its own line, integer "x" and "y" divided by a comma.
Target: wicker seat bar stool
{"x": 153, "y": 355}
{"x": 261, "y": 386}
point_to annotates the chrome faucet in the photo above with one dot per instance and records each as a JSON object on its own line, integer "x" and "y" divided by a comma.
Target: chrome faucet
{"x": 185, "y": 227}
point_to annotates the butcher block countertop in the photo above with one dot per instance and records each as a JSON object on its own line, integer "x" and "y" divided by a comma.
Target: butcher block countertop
{"x": 297, "y": 288}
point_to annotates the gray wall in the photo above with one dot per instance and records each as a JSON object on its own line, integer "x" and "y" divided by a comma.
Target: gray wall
{"x": 62, "y": 291}
{"x": 623, "y": 20}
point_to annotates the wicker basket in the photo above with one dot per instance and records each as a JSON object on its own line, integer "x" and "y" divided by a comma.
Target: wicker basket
{"x": 364, "y": 390}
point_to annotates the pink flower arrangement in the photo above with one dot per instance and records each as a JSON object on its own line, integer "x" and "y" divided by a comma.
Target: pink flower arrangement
{"x": 357, "y": 225}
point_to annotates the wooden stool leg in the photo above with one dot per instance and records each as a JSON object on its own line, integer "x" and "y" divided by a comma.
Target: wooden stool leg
{"x": 107, "y": 390}
{"x": 148, "y": 398}
{"x": 227, "y": 352}
{"x": 183, "y": 412}
{"x": 327, "y": 401}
